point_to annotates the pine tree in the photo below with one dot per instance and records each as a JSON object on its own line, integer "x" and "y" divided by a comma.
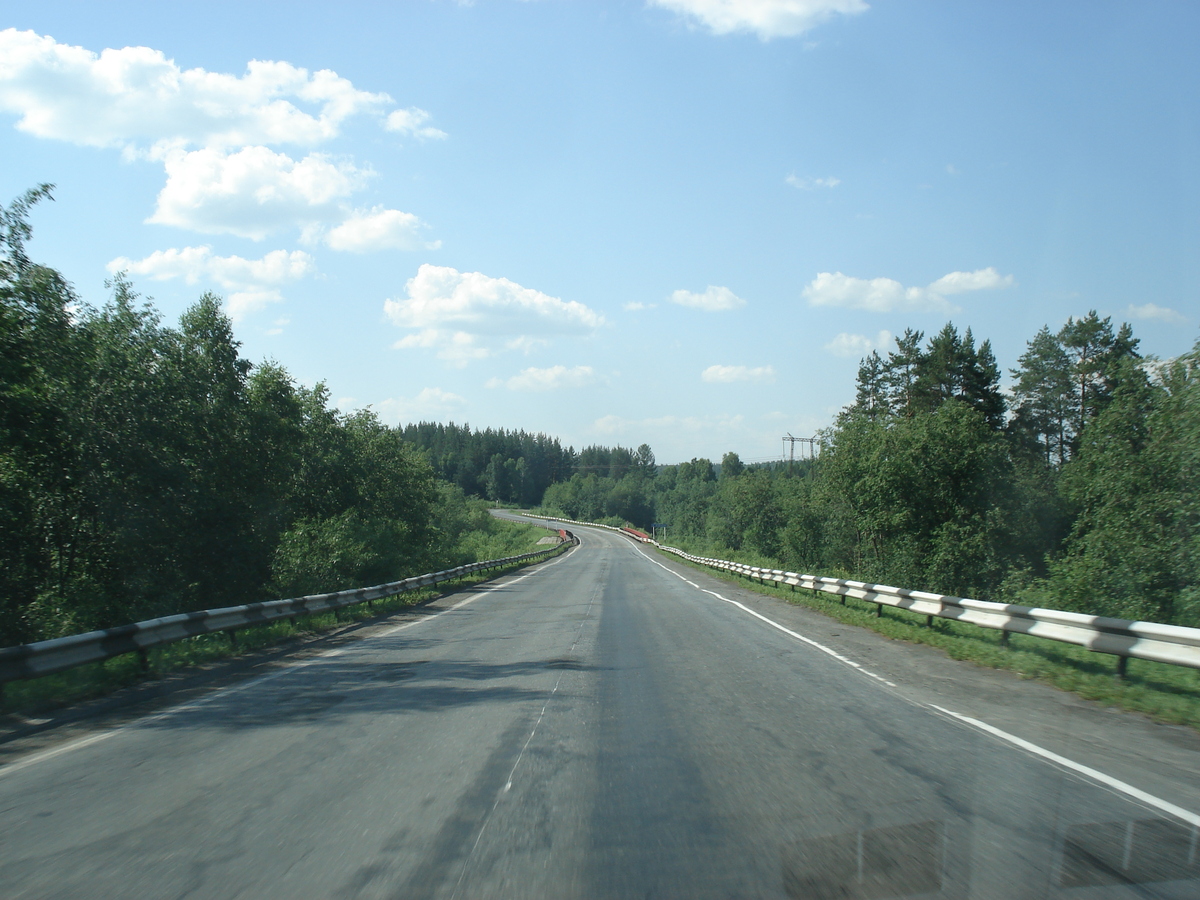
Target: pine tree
{"x": 1045, "y": 409}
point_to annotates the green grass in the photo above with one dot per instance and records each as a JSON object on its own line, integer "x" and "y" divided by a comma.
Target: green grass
{"x": 87, "y": 682}
{"x": 1165, "y": 693}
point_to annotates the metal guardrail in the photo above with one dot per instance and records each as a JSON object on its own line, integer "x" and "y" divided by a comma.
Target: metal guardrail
{"x": 58, "y": 654}
{"x": 1173, "y": 644}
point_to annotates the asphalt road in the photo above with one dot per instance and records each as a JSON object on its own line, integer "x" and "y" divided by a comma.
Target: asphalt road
{"x": 610, "y": 724}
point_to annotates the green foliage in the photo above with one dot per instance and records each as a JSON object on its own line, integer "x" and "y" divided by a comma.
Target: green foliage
{"x": 1165, "y": 692}
{"x": 512, "y": 467}
{"x": 1087, "y": 498}
{"x": 483, "y": 537}
{"x": 1132, "y": 551}
{"x": 346, "y": 550}
{"x": 147, "y": 470}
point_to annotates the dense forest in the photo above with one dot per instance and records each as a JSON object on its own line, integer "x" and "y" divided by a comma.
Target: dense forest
{"x": 147, "y": 470}
{"x": 1080, "y": 490}
{"x": 515, "y": 467}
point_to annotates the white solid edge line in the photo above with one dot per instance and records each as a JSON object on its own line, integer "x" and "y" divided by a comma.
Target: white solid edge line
{"x": 1107, "y": 780}
{"x": 1096, "y": 775}
{"x": 800, "y": 637}
{"x": 87, "y": 740}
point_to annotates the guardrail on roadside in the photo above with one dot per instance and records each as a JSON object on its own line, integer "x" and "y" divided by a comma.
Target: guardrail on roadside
{"x": 1173, "y": 644}
{"x": 58, "y": 654}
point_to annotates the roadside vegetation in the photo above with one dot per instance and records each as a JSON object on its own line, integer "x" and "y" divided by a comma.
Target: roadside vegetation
{"x": 1169, "y": 694}
{"x": 493, "y": 539}
{"x": 148, "y": 470}
{"x": 1081, "y": 492}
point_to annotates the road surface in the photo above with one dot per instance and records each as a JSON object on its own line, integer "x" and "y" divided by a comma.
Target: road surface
{"x": 611, "y": 724}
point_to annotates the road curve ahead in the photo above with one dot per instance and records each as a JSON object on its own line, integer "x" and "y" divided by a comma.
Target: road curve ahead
{"x": 605, "y": 725}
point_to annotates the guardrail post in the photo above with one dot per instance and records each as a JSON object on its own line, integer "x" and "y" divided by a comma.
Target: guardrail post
{"x": 879, "y": 610}
{"x": 143, "y": 660}
{"x": 233, "y": 643}
{"x": 929, "y": 621}
{"x": 1004, "y": 637}
{"x": 1122, "y": 666}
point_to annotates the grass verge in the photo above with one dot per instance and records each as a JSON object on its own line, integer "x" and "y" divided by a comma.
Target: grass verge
{"x": 92, "y": 680}
{"x": 1169, "y": 694}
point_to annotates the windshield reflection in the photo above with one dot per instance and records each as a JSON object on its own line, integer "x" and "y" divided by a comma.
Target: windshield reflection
{"x": 1156, "y": 857}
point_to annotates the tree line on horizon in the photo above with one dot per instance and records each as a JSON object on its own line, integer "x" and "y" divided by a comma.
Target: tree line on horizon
{"x": 1081, "y": 491}
{"x": 148, "y": 470}
{"x": 515, "y": 467}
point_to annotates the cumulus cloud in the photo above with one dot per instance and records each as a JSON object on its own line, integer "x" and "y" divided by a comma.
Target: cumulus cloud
{"x": 254, "y": 283}
{"x": 765, "y": 18}
{"x": 979, "y": 280}
{"x": 858, "y": 344}
{"x": 431, "y": 402}
{"x": 411, "y": 122}
{"x": 136, "y": 97}
{"x": 808, "y": 184}
{"x": 888, "y": 295}
{"x": 616, "y": 425}
{"x": 729, "y": 374}
{"x": 637, "y": 306}
{"x": 469, "y": 315}
{"x": 714, "y": 299}
{"x": 213, "y": 133}
{"x": 1156, "y": 313}
{"x": 196, "y": 263}
{"x": 379, "y": 229}
{"x": 551, "y": 379}
{"x": 254, "y": 192}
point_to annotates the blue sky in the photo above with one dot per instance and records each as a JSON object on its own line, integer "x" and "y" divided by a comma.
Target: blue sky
{"x": 680, "y": 222}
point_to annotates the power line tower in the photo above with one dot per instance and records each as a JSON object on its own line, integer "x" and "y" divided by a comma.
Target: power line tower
{"x": 812, "y": 447}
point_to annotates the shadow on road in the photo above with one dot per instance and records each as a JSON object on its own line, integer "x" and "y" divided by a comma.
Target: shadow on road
{"x": 345, "y": 689}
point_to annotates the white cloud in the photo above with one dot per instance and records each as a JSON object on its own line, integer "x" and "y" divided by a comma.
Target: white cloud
{"x": 636, "y": 306}
{"x": 858, "y": 344}
{"x": 728, "y": 374}
{"x": 137, "y": 98}
{"x": 458, "y": 347}
{"x": 431, "y": 402}
{"x": 468, "y": 315}
{"x": 1154, "y": 312}
{"x": 196, "y": 263}
{"x": 379, "y": 229}
{"x": 254, "y": 282}
{"x": 979, "y": 280}
{"x": 766, "y": 18}
{"x": 551, "y": 379}
{"x": 875, "y": 294}
{"x": 808, "y": 184}
{"x": 253, "y": 191}
{"x": 887, "y": 295}
{"x": 278, "y": 325}
{"x": 240, "y": 304}
{"x": 714, "y": 299}
{"x": 412, "y": 122}
{"x": 618, "y": 425}
{"x": 213, "y": 133}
